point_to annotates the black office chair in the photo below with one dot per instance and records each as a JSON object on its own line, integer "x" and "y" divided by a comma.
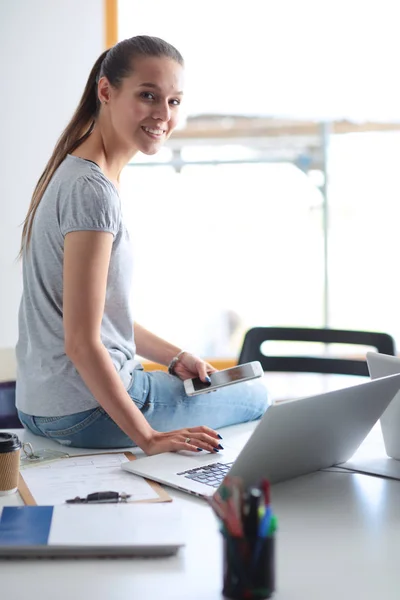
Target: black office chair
{"x": 8, "y": 412}
{"x": 254, "y": 338}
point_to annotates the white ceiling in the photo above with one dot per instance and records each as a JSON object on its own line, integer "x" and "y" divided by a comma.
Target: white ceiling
{"x": 302, "y": 58}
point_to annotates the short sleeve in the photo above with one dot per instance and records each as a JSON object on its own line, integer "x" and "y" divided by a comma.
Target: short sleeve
{"x": 90, "y": 203}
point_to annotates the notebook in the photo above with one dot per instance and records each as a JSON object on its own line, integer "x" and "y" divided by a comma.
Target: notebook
{"x": 99, "y": 530}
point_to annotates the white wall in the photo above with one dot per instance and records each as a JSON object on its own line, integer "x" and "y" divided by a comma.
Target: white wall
{"x": 47, "y": 49}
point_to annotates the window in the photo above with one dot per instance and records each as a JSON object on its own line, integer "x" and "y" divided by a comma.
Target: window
{"x": 217, "y": 253}
{"x": 231, "y": 235}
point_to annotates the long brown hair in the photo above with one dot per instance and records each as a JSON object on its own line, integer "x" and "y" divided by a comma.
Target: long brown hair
{"x": 115, "y": 64}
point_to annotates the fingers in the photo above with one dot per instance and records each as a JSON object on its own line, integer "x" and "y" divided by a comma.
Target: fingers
{"x": 186, "y": 447}
{"x": 204, "y": 376}
{"x": 195, "y": 440}
{"x": 204, "y": 429}
{"x": 206, "y": 442}
{"x": 203, "y": 370}
{"x": 196, "y": 445}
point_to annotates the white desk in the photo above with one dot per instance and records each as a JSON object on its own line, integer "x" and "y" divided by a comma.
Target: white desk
{"x": 338, "y": 537}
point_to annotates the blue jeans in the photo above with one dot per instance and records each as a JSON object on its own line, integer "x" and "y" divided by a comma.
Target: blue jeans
{"x": 162, "y": 400}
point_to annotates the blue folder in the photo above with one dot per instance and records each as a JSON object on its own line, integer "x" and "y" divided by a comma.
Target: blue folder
{"x": 96, "y": 530}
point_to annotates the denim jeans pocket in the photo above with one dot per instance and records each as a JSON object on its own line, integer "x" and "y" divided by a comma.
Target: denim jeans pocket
{"x": 140, "y": 388}
{"x": 59, "y": 427}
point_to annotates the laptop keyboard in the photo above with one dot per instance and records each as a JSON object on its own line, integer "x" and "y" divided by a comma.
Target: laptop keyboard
{"x": 212, "y": 475}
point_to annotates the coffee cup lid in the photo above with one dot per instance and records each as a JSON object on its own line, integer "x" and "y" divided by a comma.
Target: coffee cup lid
{"x": 9, "y": 442}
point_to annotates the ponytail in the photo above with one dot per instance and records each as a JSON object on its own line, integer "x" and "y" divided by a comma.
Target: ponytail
{"x": 76, "y": 132}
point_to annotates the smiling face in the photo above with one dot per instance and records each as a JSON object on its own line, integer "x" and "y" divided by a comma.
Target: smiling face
{"x": 144, "y": 110}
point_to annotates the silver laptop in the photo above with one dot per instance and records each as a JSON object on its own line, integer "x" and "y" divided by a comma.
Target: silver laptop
{"x": 293, "y": 438}
{"x": 381, "y": 365}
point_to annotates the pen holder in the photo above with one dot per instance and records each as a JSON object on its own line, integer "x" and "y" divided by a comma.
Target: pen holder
{"x": 249, "y": 567}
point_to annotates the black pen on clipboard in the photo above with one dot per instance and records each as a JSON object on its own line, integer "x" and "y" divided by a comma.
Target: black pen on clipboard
{"x": 100, "y": 498}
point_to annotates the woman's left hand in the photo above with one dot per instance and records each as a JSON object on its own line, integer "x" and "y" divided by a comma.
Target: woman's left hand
{"x": 189, "y": 366}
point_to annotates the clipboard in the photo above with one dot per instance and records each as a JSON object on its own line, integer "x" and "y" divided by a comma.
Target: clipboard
{"x": 162, "y": 495}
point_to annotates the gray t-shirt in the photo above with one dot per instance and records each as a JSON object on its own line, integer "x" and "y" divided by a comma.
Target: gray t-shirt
{"x": 78, "y": 198}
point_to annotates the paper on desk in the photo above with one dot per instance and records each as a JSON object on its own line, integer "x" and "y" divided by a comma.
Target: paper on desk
{"x": 54, "y": 483}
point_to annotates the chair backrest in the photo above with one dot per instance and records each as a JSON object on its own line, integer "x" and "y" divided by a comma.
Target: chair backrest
{"x": 254, "y": 338}
{"x": 8, "y": 412}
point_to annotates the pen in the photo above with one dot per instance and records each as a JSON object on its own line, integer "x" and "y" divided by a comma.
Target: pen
{"x": 265, "y": 523}
{"x": 251, "y": 513}
{"x": 273, "y": 524}
{"x": 265, "y": 488}
{"x": 100, "y": 498}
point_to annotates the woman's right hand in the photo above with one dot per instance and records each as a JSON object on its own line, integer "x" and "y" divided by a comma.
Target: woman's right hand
{"x": 202, "y": 438}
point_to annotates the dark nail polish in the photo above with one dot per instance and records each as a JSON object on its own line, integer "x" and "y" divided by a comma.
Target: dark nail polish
{"x": 219, "y": 446}
{"x": 220, "y": 437}
{"x": 215, "y": 450}
{"x": 208, "y": 379}
{"x": 199, "y": 449}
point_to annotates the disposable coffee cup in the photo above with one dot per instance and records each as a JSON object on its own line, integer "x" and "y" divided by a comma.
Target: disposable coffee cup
{"x": 10, "y": 448}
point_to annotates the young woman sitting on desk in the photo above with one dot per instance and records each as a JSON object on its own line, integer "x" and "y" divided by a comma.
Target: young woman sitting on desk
{"x": 78, "y": 381}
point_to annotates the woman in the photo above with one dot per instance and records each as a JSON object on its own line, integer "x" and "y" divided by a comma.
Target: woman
{"x": 78, "y": 381}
